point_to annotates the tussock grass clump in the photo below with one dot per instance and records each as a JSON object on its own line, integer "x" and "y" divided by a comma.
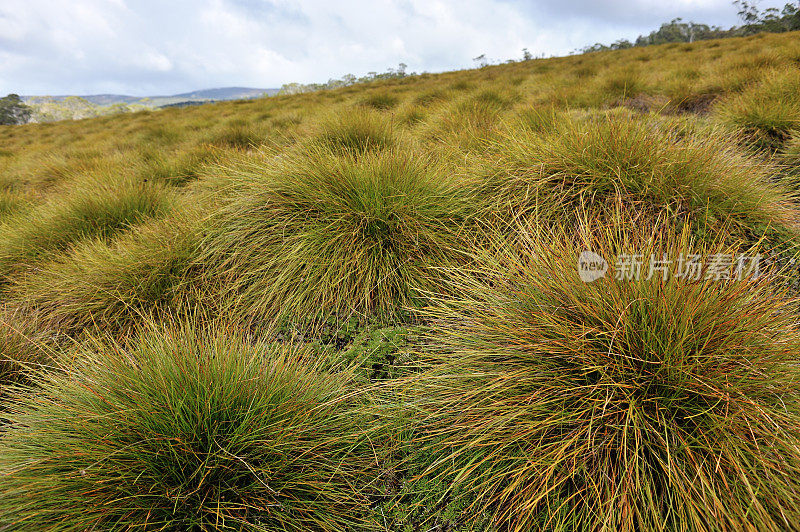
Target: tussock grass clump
{"x": 357, "y": 131}
{"x": 766, "y": 113}
{"x": 176, "y": 168}
{"x": 632, "y": 404}
{"x": 184, "y": 429}
{"x": 605, "y": 160}
{"x": 431, "y": 97}
{"x": 499, "y": 100}
{"x": 466, "y": 124}
{"x": 10, "y": 202}
{"x": 22, "y": 350}
{"x": 286, "y": 121}
{"x": 334, "y": 234}
{"x": 158, "y": 134}
{"x": 791, "y": 157}
{"x": 97, "y": 208}
{"x": 239, "y": 137}
{"x": 411, "y": 115}
{"x": 115, "y": 284}
{"x": 538, "y": 119}
{"x": 621, "y": 83}
{"x": 381, "y": 101}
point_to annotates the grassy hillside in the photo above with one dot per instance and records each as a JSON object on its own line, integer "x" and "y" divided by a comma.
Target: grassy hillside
{"x": 361, "y": 309}
{"x": 54, "y": 108}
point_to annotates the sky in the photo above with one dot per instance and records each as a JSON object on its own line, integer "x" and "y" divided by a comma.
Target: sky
{"x": 157, "y": 47}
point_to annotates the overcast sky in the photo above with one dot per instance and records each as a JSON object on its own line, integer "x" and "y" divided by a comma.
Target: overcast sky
{"x": 152, "y": 47}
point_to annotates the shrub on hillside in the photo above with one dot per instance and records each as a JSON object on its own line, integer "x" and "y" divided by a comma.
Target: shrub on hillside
{"x": 182, "y": 429}
{"x": 631, "y": 404}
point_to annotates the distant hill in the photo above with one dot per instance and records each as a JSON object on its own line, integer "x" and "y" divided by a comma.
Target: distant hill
{"x": 106, "y": 99}
{"x": 205, "y": 95}
{"x": 226, "y": 93}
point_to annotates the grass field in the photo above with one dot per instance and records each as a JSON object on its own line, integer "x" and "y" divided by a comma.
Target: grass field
{"x": 361, "y": 309}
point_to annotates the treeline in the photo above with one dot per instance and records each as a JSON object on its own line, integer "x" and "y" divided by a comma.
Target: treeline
{"x": 50, "y": 109}
{"x": 346, "y": 81}
{"x": 754, "y": 20}
{"x": 13, "y": 110}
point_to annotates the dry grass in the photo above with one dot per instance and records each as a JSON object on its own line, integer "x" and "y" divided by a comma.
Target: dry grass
{"x": 623, "y": 404}
{"x": 320, "y": 218}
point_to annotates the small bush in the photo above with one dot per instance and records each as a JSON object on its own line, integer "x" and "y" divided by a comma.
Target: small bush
{"x": 185, "y": 430}
{"x": 641, "y": 404}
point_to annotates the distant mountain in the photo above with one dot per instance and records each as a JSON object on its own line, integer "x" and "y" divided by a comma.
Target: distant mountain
{"x": 226, "y": 93}
{"x": 206, "y": 95}
{"x": 108, "y": 99}
{"x": 96, "y": 99}
{"x": 187, "y": 103}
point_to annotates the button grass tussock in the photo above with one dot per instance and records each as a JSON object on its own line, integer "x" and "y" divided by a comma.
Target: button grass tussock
{"x": 97, "y": 207}
{"x": 113, "y": 284}
{"x": 183, "y": 429}
{"x": 767, "y": 113}
{"x": 641, "y": 404}
{"x": 342, "y": 234}
{"x": 551, "y": 294}
{"x": 556, "y": 163}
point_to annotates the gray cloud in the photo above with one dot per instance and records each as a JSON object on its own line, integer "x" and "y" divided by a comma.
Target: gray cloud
{"x": 633, "y": 13}
{"x": 155, "y": 47}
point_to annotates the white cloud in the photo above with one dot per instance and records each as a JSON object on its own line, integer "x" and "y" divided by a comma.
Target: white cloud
{"x": 151, "y": 46}
{"x": 155, "y": 61}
